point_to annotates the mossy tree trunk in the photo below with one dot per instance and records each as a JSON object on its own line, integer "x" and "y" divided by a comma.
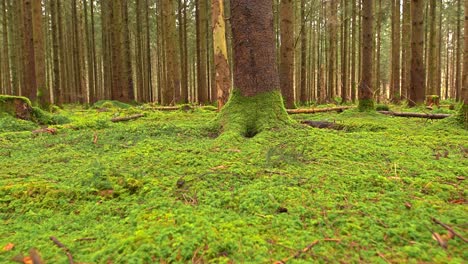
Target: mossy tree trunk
{"x": 365, "y": 87}
{"x": 256, "y": 103}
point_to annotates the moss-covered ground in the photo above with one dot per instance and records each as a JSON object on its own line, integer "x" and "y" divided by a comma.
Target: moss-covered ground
{"x": 165, "y": 189}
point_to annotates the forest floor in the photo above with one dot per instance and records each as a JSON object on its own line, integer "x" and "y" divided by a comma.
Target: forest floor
{"x": 163, "y": 188}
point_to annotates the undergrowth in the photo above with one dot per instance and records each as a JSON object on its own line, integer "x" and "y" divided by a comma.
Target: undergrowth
{"x": 164, "y": 188}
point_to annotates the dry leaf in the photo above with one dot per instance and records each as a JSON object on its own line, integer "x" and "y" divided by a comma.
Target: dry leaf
{"x": 28, "y": 260}
{"x": 408, "y": 205}
{"x": 8, "y": 247}
{"x": 221, "y": 167}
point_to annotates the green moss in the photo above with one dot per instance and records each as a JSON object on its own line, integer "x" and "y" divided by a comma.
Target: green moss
{"x": 45, "y": 118}
{"x": 463, "y": 116}
{"x": 248, "y": 116}
{"x": 111, "y": 104}
{"x": 366, "y": 105}
{"x": 7, "y": 105}
{"x": 382, "y": 107}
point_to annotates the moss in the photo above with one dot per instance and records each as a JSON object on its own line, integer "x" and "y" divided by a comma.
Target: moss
{"x": 111, "y": 104}
{"x": 382, "y": 107}
{"x": 463, "y": 116}
{"x": 45, "y": 118}
{"x": 9, "y": 104}
{"x": 366, "y": 105}
{"x": 248, "y": 116}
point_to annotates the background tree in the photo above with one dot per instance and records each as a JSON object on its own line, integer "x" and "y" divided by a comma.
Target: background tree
{"x": 365, "y": 87}
{"x": 417, "y": 85}
{"x": 287, "y": 53}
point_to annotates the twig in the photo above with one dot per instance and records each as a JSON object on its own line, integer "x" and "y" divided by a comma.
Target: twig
{"x": 62, "y": 246}
{"x": 298, "y": 253}
{"x": 449, "y": 229}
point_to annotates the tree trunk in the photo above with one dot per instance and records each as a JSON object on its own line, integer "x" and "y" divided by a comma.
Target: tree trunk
{"x": 464, "y": 92}
{"x": 256, "y": 103}
{"x": 223, "y": 75}
{"x": 417, "y": 86}
{"x": 287, "y": 53}
{"x": 29, "y": 65}
{"x": 202, "y": 77}
{"x": 333, "y": 21}
{"x": 365, "y": 87}
{"x": 395, "y": 81}
{"x": 432, "y": 91}
{"x": 406, "y": 49}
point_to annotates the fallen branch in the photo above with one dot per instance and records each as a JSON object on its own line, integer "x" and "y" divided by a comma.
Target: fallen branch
{"x": 62, "y": 246}
{"x": 323, "y": 124}
{"x": 298, "y": 253}
{"x": 126, "y": 118}
{"x": 448, "y": 228}
{"x": 51, "y": 131}
{"x": 318, "y": 110}
{"x": 418, "y": 115}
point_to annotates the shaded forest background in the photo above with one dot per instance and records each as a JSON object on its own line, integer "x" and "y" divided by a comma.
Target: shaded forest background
{"x": 82, "y": 51}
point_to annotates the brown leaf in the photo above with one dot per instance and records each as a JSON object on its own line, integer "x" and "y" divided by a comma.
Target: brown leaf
{"x": 28, "y": 260}
{"x": 8, "y": 247}
{"x": 221, "y": 167}
{"x": 408, "y": 205}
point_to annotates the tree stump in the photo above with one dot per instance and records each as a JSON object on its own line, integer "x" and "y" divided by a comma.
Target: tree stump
{"x": 17, "y": 106}
{"x": 432, "y": 100}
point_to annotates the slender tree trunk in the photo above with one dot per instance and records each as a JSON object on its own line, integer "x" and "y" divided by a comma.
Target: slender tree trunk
{"x": 56, "y": 53}
{"x": 223, "y": 75}
{"x": 353, "y": 53}
{"x": 6, "y": 52}
{"x": 344, "y": 53}
{"x": 417, "y": 85}
{"x": 202, "y": 78}
{"x": 432, "y": 91}
{"x": 169, "y": 91}
{"x": 365, "y": 86}
{"x": 303, "y": 86}
{"x": 333, "y": 21}
{"x": 39, "y": 53}
{"x": 464, "y": 92}
{"x": 406, "y": 48}
{"x": 29, "y": 65}
{"x": 395, "y": 89}
{"x": 377, "y": 51}
{"x": 458, "y": 65}
{"x": 287, "y": 53}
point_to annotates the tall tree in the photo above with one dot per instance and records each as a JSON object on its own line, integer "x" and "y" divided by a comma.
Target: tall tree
{"x": 223, "y": 75}
{"x": 29, "y": 65}
{"x": 432, "y": 73}
{"x": 169, "y": 91}
{"x": 417, "y": 85}
{"x": 365, "y": 87}
{"x": 202, "y": 51}
{"x": 458, "y": 79}
{"x": 256, "y": 102}
{"x": 396, "y": 34}
{"x": 287, "y": 52}
{"x": 464, "y": 92}
{"x": 333, "y": 22}
{"x": 406, "y": 48}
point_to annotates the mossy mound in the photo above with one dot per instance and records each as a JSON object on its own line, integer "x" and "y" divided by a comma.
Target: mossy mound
{"x": 366, "y": 105}
{"x": 17, "y": 106}
{"x": 21, "y": 108}
{"x": 248, "y": 116}
{"x": 111, "y": 104}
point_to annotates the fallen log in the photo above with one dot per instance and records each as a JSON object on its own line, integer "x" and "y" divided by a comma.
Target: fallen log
{"x": 318, "y": 110}
{"x": 323, "y": 124}
{"x": 126, "y": 118}
{"x": 418, "y": 115}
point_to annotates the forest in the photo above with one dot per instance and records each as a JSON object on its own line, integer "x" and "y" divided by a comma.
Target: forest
{"x": 233, "y": 131}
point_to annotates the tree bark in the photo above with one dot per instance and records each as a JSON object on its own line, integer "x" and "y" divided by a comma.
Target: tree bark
{"x": 417, "y": 86}
{"x": 464, "y": 92}
{"x": 256, "y": 103}
{"x": 223, "y": 74}
{"x": 287, "y": 53}
{"x": 29, "y": 65}
{"x": 365, "y": 87}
